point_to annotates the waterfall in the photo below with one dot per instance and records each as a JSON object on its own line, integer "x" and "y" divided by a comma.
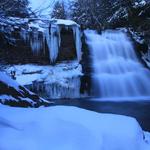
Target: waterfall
{"x": 117, "y": 72}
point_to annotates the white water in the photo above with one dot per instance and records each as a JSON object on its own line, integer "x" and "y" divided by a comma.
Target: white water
{"x": 117, "y": 70}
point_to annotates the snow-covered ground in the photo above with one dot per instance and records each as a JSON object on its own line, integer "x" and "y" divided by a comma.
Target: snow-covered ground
{"x": 26, "y": 74}
{"x": 68, "y": 128}
{"x": 59, "y": 81}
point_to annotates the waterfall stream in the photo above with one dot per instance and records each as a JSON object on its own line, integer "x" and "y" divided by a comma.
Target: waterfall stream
{"x": 117, "y": 72}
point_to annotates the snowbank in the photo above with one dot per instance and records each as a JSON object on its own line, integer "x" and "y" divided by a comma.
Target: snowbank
{"x": 59, "y": 81}
{"x": 68, "y": 128}
{"x": 26, "y": 74}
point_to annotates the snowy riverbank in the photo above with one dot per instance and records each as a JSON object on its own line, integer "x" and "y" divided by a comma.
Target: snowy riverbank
{"x": 74, "y": 129}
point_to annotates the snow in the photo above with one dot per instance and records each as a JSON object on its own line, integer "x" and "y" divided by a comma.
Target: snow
{"x": 10, "y": 82}
{"x": 26, "y": 74}
{"x": 136, "y": 36}
{"x": 59, "y": 81}
{"x": 4, "y": 98}
{"x": 120, "y": 13}
{"x": 23, "y": 94}
{"x": 141, "y": 3}
{"x": 65, "y": 22}
{"x": 74, "y": 129}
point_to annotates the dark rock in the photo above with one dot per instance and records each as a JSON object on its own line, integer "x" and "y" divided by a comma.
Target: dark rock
{"x": 19, "y": 96}
{"x": 86, "y": 63}
{"x": 67, "y": 49}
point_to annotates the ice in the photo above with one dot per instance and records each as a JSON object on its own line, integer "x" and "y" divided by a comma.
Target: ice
{"x": 35, "y": 39}
{"x": 47, "y": 32}
{"x": 77, "y": 36}
{"x": 55, "y": 43}
{"x": 74, "y": 129}
{"x": 69, "y": 88}
{"x": 59, "y": 81}
{"x": 56, "y": 27}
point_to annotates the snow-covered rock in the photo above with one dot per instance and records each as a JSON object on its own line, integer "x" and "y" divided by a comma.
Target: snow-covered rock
{"x": 69, "y": 128}
{"x": 59, "y": 81}
{"x": 11, "y": 93}
{"x": 140, "y": 3}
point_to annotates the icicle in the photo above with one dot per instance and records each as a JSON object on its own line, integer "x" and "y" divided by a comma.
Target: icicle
{"x": 77, "y": 37}
{"x": 35, "y": 43}
{"x": 25, "y": 35}
{"x": 55, "y": 42}
{"x": 48, "y": 39}
{"x": 70, "y": 89}
{"x": 37, "y": 38}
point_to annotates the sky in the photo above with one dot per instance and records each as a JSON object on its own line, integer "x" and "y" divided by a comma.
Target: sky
{"x": 44, "y": 5}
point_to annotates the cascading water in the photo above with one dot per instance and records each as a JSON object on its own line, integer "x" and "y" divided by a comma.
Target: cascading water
{"x": 117, "y": 71}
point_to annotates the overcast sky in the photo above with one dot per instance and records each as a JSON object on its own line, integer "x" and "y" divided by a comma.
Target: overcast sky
{"x": 42, "y": 4}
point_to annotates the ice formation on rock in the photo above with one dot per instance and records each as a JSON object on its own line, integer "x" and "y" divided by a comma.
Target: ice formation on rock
{"x": 69, "y": 89}
{"x": 59, "y": 81}
{"x": 47, "y": 33}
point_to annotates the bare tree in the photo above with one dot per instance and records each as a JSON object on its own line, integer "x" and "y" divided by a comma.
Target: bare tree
{"x": 39, "y": 11}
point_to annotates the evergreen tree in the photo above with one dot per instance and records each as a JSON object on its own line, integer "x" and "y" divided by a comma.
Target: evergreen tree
{"x": 81, "y": 13}
{"x": 14, "y": 8}
{"x": 59, "y": 11}
{"x": 91, "y": 13}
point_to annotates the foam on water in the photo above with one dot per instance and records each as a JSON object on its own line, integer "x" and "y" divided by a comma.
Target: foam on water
{"x": 117, "y": 70}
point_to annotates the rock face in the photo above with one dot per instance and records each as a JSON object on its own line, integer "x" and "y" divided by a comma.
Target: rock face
{"x": 11, "y": 93}
{"x": 67, "y": 47}
{"x": 39, "y": 41}
{"x": 87, "y": 68}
